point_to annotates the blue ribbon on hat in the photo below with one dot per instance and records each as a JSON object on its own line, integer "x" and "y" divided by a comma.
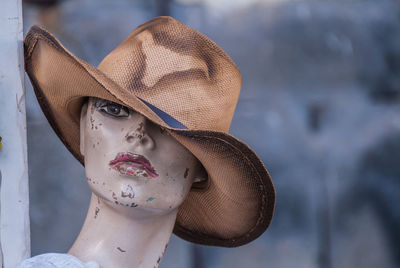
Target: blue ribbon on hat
{"x": 169, "y": 120}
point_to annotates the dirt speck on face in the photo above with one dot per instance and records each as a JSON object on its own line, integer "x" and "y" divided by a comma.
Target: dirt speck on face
{"x": 162, "y": 130}
{"x": 140, "y": 128}
{"x": 96, "y": 212}
{"x": 120, "y": 249}
{"x": 91, "y": 122}
{"x": 114, "y": 196}
{"x": 124, "y": 194}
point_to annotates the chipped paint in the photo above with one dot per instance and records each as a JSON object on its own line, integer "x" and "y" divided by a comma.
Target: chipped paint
{"x": 160, "y": 257}
{"x": 141, "y": 130}
{"x": 96, "y": 212}
{"x": 150, "y": 199}
{"x": 91, "y": 122}
{"x": 19, "y": 101}
{"x": 186, "y": 173}
{"x": 120, "y": 249}
{"x": 128, "y": 192}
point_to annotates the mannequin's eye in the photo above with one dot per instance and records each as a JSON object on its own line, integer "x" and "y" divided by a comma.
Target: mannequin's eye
{"x": 113, "y": 109}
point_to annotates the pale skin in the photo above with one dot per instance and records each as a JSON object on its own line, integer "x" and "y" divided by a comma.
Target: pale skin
{"x": 139, "y": 176}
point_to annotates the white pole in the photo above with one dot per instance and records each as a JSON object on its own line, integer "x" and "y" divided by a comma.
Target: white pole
{"x": 14, "y": 199}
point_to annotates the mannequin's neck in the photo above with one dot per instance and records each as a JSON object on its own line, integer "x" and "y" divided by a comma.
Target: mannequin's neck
{"x": 122, "y": 238}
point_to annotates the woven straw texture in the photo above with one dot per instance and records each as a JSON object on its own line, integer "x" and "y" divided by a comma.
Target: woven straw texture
{"x": 185, "y": 74}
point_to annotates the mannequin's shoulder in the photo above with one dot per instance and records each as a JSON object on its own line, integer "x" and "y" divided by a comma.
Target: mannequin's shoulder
{"x": 53, "y": 260}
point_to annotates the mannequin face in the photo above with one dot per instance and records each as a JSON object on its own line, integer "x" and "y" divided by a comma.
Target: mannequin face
{"x": 131, "y": 162}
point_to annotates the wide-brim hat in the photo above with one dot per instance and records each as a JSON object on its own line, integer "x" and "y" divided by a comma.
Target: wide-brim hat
{"x": 181, "y": 80}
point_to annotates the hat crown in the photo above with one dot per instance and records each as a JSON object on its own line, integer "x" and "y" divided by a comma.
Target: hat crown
{"x": 178, "y": 70}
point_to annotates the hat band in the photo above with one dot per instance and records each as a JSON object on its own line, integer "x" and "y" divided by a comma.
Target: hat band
{"x": 169, "y": 120}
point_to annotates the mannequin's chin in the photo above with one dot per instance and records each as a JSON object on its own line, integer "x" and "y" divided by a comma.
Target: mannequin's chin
{"x": 137, "y": 204}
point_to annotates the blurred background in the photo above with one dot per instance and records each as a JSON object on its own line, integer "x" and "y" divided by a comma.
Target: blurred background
{"x": 320, "y": 104}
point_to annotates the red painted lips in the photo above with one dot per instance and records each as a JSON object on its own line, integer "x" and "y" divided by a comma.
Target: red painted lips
{"x": 133, "y": 164}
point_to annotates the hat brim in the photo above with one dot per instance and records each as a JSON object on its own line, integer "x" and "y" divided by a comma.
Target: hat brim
{"x": 238, "y": 203}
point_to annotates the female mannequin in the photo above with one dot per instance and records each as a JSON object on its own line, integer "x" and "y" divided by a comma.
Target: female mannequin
{"x": 133, "y": 208}
{"x": 141, "y": 166}
{"x": 139, "y": 175}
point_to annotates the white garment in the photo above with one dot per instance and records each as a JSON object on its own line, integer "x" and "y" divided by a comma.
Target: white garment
{"x": 56, "y": 260}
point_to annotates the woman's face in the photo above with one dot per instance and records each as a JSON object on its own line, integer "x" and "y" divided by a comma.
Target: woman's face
{"x": 131, "y": 162}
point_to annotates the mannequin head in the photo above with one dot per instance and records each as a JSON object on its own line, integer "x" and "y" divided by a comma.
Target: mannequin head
{"x": 133, "y": 163}
{"x": 192, "y": 86}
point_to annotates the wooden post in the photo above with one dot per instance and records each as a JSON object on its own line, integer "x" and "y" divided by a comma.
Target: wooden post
{"x": 14, "y": 201}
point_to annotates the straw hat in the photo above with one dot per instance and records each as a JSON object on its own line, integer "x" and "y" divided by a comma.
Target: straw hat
{"x": 181, "y": 80}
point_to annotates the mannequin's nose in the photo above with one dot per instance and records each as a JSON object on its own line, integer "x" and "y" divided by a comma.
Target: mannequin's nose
{"x": 138, "y": 133}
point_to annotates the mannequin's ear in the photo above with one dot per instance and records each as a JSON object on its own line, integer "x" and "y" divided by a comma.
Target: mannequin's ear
{"x": 82, "y": 128}
{"x": 201, "y": 180}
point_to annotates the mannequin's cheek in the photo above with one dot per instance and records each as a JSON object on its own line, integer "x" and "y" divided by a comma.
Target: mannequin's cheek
{"x": 102, "y": 188}
{"x": 166, "y": 197}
